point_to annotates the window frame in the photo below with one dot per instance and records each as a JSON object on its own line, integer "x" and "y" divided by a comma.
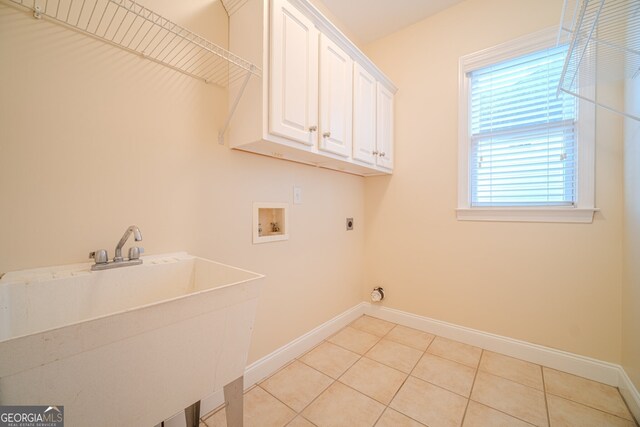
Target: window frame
{"x": 584, "y": 208}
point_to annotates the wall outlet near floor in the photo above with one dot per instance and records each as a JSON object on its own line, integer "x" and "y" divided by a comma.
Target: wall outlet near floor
{"x": 349, "y": 224}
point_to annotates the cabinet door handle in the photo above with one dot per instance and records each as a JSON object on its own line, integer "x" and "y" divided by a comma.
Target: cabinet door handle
{"x": 382, "y": 154}
{"x": 326, "y": 134}
{"x": 375, "y": 153}
{"x": 313, "y": 128}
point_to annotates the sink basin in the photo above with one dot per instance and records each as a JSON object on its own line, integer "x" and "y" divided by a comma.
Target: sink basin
{"x": 130, "y": 346}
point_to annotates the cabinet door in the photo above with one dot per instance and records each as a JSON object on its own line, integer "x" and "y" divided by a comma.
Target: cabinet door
{"x": 364, "y": 115}
{"x": 336, "y": 98}
{"x": 384, "y": 127}
{"x": 293, "y": 86}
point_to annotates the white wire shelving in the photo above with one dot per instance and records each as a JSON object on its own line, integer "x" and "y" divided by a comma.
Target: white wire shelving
{"x": 137, "y": 29}
{"x": 133, "y": 27}
{"x": 608, "y": 29}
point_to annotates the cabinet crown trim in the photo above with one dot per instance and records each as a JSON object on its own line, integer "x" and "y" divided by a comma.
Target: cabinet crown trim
{"x": 338, "y": 37}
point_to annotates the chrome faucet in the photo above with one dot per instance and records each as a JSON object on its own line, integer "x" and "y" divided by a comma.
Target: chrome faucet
{"x": 136, "y": 235}
{"x": 102, "y": 259}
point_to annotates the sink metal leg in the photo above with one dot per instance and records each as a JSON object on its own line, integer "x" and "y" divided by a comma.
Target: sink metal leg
{"x": 192, "y": 415}
{"x": 233, "y": 399}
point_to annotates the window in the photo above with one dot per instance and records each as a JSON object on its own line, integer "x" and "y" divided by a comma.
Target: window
{"x": 522, "y": 134}
{"x": 526, "y": 153}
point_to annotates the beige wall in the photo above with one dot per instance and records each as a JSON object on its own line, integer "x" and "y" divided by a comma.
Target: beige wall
{"x": 93, "y": 139}
{"x": 319, "y": 4}
{"x": 558, "y": 285}
{"x": 631, "y": 283}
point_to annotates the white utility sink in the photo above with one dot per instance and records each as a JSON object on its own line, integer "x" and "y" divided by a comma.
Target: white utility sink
{"x": 130, "y": 346}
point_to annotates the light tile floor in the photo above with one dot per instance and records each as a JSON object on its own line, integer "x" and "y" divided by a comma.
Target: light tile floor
{"x": 378, "y": 373}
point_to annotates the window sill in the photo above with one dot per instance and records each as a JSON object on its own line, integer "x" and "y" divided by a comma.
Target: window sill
{"x": 570, "y": 215}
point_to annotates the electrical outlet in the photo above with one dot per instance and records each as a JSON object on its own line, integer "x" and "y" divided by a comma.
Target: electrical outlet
{"x": 349, "y": 224}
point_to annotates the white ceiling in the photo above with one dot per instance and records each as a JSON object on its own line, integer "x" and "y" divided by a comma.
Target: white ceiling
{"x": 369, "y": 20}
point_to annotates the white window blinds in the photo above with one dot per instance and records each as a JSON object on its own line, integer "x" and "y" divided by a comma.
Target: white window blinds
{"x": 523, "y": 137}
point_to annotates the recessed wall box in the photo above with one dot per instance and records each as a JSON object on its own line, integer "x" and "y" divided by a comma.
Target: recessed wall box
{"x": 270, "y": 222}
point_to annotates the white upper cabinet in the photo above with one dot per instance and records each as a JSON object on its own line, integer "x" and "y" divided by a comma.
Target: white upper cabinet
{"x": 321, "y": 100}
{"x": 372, "y": 120}
{"x": 384, "y": 127}
{"x": 364, "y": 115}
{"x": 336, "y": 81}
{"x": 293, "y": 91}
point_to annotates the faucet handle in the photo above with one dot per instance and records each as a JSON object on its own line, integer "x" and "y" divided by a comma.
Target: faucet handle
{"x": 135, "y": 251}
{"x": 100, "y": 256}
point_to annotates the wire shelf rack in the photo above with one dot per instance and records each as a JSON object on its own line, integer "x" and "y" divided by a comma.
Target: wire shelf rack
{"x": 608, "y": 29}
{"x": 134, "y": 28}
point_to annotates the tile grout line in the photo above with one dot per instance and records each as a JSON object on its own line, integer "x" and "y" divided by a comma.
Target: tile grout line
{"x": 452, "y": 360}
{"x": 546, "y": 401}
{"x": 372, "y": 398}
{"x": 312, "y": 400}
{"x": 403, "y": 381}
{"x": 368, "y": 397}
{"x": 287, "y": 406}
{"x": 591, "y": 407}
{"x": 337, "y": 379}
{"x": 477, "y": 368}
{"x": 276, "y": 398}
{"x": 334, "y": 380}
{"x": 516, "y": 382}
{"x": 272, "y": 375}
{"x": 392, "y": 367}
{"x": 442, "y": 387}
{"x": 507, "y": 379}
{"x": 503, "y": 412}
{"x": 419, "y": 359}
{"x": 436, "y": 385}
{"x": 464, "y": 415}
{"x": 395, "y": 342}
{"x": 362, "y": 356}
{"x": 386, "y": 406}
{"x": 343, "y": 347}
{"x": 301, "y": 416}
{"x": 315, "y": 346}
{"x": 215, "y": 411}
{"x": 497, "y": 409}
{"x": 500, "y": 410}
{"x": 484, "y": 404}
{"x": 402, "y": 385}
{"x": 585, "y": 404}
{"x": 634, "y": 421}
{"x": 410, "y": 346}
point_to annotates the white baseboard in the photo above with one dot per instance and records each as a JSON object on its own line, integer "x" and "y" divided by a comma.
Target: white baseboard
{"x": 271, "y": 363}
{"x": 593, "y": 369}
{"x": 557, "y": 359}
{"x": 262, "y": 368}
{"x": 630, "y": 393}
